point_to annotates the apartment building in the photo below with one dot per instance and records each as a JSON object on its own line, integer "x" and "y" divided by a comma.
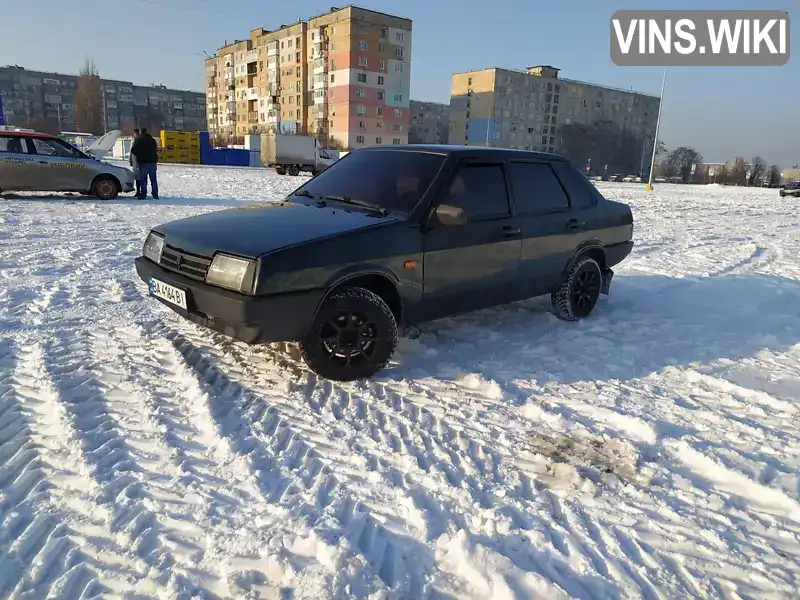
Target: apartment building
{"x": 430, "y": 123}
{"x": 46, "y": 99}
{"x": 344, "y": 76}
{"x": 536, "y": 109}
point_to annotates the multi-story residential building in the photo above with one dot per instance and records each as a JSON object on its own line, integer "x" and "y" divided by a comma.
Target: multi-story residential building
{"x": 430, "y": 123}
{"x": 344, "y": 76}
{"x": 537, "y": 110}
{"x": 40, "y": 98}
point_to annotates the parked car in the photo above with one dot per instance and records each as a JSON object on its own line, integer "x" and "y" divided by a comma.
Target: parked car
{"x": 40, "y": 162}
{"x": 790, "y": 189}
{"x": 387, "y": 237}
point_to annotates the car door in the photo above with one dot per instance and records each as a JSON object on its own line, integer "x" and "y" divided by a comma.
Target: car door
{"x": 476, "y": 264}
{"x": 550, "y": 234}
{"x": 17, "y": 166}
{"x": 56, "y": 165}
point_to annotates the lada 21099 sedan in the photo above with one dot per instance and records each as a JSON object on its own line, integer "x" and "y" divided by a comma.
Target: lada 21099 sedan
{"x": 39, "y": 162}
{"x": 391, "y": 236}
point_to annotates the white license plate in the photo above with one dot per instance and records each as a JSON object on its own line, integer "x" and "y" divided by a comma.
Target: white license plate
{"x": 167, "y": 292}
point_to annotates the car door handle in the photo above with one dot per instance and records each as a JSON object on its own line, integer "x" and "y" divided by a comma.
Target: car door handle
{"x": 510, "y": 231}
{"x": 575, "y": 224}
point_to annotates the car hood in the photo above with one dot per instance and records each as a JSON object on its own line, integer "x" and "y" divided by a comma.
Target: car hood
{"x": 257, "y": 229}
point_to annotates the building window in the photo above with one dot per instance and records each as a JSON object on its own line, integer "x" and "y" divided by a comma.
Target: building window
{"x": 397, "y": 127}
{"x": 359, "y": 139}
{"x": 360, "y": 92}
{"x": 291, "y": 114}
{"x": 398, "y": 67}
{"x": 383, "y": 32}
{"x": 378, "y": 140}
{"x": 469, "y": 81}
{"x": 398, "y": 97}
{"x": 289, "y": 43}
{"x": 362, "y": 45}
{"x": 396, "y": 141}
{"x": 379, "y": 110}
{"x": 333, "y": 77}
{"x": 362, "y": 61}
{"x": 380, "y": 95}
{"x": 398, "y": 52}
{"x": 380, "y": 79}
{"x": 362, "y": 78}
{"x": 400, "y": 37}
{"x": 361, "y": 110}
{"x": 398, "y": 112}
{"x": 383, "y": 65}
{"x": 333, "y": 65}
{"x": 379, "y": 124}
{"x": 362, "y": 124}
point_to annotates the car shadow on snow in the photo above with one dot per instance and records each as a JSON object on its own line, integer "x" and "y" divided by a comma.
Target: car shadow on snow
{"x": 648, "y": 323}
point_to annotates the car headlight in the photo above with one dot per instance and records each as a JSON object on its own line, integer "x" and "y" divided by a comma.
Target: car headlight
{"x": 232, "y": 273}
{"x": 153, "y": 247}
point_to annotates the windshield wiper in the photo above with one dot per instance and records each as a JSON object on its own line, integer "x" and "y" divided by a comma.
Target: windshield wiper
{"x": 306, "y": 194}
{"x": 362, "y": 203}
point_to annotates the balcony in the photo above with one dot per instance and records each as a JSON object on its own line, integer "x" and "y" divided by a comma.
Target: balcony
{"x": 252, "y": 117}
{"x": 272, "y": 49}
{"x": 252, "y": 93}
{"x": 321, "y": 101}
{"x": 320, "y": 66}
{"x": 273, "y": 89}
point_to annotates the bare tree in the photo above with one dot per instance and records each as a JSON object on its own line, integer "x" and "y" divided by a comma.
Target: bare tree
{"x": 89, "y": 100}
{"x": 758, "y": 169}
{"x": 681, "y": 160}
{"x": 774, "y": 176}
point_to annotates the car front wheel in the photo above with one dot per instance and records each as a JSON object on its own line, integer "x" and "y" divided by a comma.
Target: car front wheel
{"x": 105, "y": 188}
{"x": 577, "y": 295}
{"x": 352, "y": 337}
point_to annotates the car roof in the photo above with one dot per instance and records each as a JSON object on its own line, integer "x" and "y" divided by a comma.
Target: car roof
{"x": 472, "y": 151}
{"x": 29, "y": 134}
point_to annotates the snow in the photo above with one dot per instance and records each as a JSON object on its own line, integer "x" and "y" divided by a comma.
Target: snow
{"x": 650, "y": 451}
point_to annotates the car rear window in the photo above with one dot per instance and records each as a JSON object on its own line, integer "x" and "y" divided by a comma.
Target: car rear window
{"x": 393, "y": 179}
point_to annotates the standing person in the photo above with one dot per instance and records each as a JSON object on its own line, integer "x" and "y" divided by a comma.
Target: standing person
{"x": 146, "y": 152}
{"x": 135, "y": 164}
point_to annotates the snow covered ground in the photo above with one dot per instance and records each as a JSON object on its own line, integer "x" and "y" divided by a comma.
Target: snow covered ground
{"x": 651, "y": 451}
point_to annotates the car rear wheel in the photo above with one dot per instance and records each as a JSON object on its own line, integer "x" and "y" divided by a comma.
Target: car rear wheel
{"x": 577, "y": 295}
{"x": 280, "y": 171}
{"x": 294, "y": 170}
{"x": 105, "y": 188}
{"x": 782, "y": 193}
{"x": 352, "y": 337}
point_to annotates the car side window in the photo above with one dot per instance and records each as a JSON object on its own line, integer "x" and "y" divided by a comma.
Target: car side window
{"x": 581, "y": 191}
{"x": 13, "y": 144}
{"x": 536, "y": 188}
{"x": 480, "y": 191}
{"x": 45, "y": 147}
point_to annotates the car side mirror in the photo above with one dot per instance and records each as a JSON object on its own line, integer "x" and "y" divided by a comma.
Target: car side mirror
{"x": 450, "y": 216}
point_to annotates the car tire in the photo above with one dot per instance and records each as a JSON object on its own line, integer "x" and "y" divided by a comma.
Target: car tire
{"x": 280, "y": 171}
{"x": 782, "y": 193}
{"x": 293, "y": 170}
{"x": 576, "y": 296}
{"x": 353, "y": 336}
{"x": 105, "y": 188}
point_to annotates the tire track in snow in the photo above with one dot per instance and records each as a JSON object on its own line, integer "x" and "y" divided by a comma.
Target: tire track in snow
{"x": 45, "y": 518}
{"x": 126, "y": 462}
{"x": 313, "y": 478}
{"x": 449, "y": 510}
{"x": 239, "y": 518}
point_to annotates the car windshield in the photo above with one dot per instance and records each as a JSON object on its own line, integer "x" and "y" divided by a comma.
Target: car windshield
{"x": 392, "y": 179}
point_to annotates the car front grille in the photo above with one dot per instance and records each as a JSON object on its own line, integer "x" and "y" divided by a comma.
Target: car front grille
{"x": 191, "y": 265}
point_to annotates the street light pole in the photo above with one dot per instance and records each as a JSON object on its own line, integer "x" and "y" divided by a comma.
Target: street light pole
{"x": 649, "y": 186}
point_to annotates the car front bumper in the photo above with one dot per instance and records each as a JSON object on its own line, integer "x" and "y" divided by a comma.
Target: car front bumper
{"x": 127, "y": 186}
{"x": 251, "y": 319}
